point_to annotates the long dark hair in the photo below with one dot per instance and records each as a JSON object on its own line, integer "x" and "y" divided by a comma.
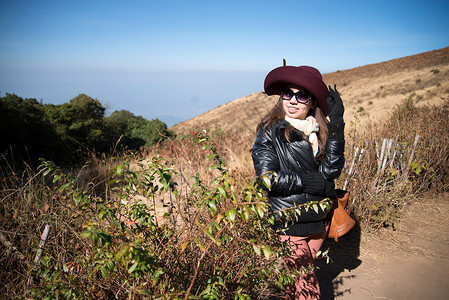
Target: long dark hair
{"x": 277, "y": 113}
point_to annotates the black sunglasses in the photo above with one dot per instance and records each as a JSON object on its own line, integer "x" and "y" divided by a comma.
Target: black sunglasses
{"x": 302, "y": 96}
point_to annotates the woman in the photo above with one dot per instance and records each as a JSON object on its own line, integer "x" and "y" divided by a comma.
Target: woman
{"x": 301, "y": 153}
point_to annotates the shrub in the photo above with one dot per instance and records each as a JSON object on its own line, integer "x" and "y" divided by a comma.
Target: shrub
{"x": 146, "y": 234}
{"x": 383, "y": 185}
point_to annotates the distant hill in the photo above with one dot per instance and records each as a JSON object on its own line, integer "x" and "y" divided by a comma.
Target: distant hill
{"x": 369, "y": 92}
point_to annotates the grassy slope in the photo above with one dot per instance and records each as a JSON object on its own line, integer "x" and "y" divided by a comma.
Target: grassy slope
{"x": 369, "y": 92}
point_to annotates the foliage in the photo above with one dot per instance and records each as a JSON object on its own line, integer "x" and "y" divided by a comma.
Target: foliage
{"x": 79, "y": 122}
{"x": 25, "y": 130}
{"x": 69, "y": 132}
{"x": 146, "y": 235}
{"x": 135, "y": 131}
{"x": 186, "y": 220}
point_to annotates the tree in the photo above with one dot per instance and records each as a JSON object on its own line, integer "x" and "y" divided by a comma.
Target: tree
{"x": 79, "y": 123}
{"x": 117, "y": 128}
{"x": 135, "y": 131}
{"x": 26, "y": 133}
{"x": 157, "y": 131}
{"x": 66, "y": 133}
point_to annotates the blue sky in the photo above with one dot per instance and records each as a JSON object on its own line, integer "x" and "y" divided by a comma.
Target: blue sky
{"x": 173, "y": 60}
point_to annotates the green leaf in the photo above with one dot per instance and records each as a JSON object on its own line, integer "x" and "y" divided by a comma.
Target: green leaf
{"x": 143, "y": 291}
{"x": 266, "y": 181}
{"x": 86, "y": 233}
{"x": 102, "y": 214}
{"x": 112, "y": 182}
{"x": 119, "y": 169}
{"x": 110, "y": 264}
{"x": 95, "y": 238}
{"x": 222, "y": 191}
{"x": 260, "y": 210}
{"x": 56, "y": 178}
{"x": 104, "y": 271}
{"x": 256, "y": 249}
{"x": 233, "y": 194}
{"x": 124, "y": 251}
{"x": 157, "y": 274}
{"x": 213, "y": 205}
{"x": 267, "y": 251}
{"x": 323, "y": 205}
{"x": 231, "y": 214}
{"x": 64, "y": 186}
{"x": 133, "y": 267}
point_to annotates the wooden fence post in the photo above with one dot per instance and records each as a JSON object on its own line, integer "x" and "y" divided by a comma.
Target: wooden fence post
{"x": 42, "y": 243}
{"x": 410, "y": 161}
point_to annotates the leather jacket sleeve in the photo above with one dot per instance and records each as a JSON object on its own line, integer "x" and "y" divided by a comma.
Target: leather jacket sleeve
{"x": 266, "y": 161}
{"x": 334, "y": 159}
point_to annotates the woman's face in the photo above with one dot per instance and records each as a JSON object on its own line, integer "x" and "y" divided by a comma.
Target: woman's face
{"x": 295, "y": 109}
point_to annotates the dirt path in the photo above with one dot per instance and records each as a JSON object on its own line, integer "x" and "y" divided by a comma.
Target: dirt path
{"x": 409, "y": 262}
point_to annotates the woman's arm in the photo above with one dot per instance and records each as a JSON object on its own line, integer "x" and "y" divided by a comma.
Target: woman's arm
{"x": 334, "y": 158}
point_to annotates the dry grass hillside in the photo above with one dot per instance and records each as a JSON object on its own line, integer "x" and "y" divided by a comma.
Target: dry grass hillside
{"x": 369, "y": 92}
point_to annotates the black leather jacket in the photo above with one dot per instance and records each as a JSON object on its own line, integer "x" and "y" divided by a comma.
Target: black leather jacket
{"x": 272, "y": 152}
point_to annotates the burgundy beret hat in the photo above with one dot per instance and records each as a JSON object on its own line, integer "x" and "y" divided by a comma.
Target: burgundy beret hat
{"x": 305, "y": 76}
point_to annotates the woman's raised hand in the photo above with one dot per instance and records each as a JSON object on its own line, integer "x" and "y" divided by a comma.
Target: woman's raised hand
{"x": 335, "y": 105}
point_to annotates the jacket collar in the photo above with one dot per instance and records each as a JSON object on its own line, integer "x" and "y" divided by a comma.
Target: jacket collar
{"x": 295, "y": 135}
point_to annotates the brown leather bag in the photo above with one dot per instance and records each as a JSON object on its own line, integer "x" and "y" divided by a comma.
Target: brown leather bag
{"x": 341, "y": 222}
